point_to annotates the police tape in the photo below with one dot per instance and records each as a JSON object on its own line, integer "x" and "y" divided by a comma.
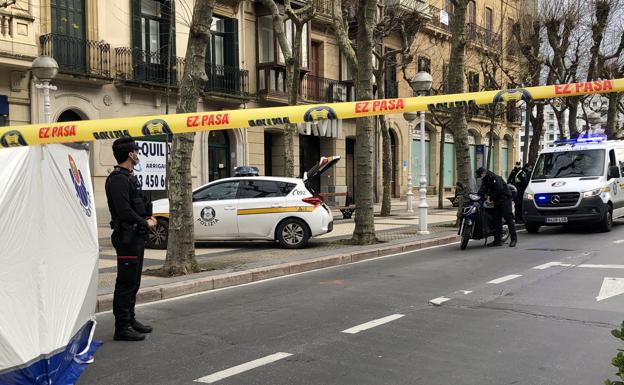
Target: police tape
{"x": 100, "y": 129}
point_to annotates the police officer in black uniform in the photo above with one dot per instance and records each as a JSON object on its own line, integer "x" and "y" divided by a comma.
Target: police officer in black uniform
{"x": 131, "y": 219}
{"x": 494, "y": 188}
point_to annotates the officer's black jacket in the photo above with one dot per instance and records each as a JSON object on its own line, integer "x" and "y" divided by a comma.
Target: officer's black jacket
{"x": 125, "y": 198}
{"x": 495, "y": 187}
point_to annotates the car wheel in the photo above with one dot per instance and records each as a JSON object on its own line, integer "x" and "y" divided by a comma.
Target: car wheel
{"x": 531, "y": 228}
{"x": 607, "y": 222}
{"x": 292, "y": 234}
{"x": 158, "y": 236}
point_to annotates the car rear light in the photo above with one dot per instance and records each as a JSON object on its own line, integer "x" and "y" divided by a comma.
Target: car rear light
{"x": 314, "y": 201}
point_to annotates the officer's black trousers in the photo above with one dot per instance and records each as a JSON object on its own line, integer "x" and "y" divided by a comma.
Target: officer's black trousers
{"x": 503, "y": 212}
{"x": 129, "y": 268}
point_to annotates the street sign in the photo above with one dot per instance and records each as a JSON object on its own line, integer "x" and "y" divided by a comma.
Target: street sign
{"x": 152, "y": 170}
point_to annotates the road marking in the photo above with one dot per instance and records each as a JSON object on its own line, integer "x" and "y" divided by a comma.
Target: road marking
{"x": 602, "y": 266}
{"x": 610, "y": 288}
{"x": 505, "y": 278}
{"x": 288, "y": 276}
{"x": 242, "y": 368}
{"x": 439, "y": 301}
{"x": 551, "y": 264}
{"x": 619, "y": 241}
{"x": 466, "y": 292}
{"x": 372, "y": 324}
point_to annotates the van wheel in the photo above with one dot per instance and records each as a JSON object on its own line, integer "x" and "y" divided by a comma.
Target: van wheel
{"x": 531, "y": 228}
{"x": 292, "y": 233}
{"x": 607, "y": 221}
{"x": 158, "y": 236}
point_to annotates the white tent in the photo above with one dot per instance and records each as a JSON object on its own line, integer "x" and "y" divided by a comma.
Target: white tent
{"x": 48, "y": 265}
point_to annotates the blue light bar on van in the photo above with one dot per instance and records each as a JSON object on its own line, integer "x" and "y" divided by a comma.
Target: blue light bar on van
{"x": 597, "y": 138}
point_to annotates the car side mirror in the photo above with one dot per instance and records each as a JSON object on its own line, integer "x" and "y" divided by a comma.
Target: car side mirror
{"x": 614, "y": 172}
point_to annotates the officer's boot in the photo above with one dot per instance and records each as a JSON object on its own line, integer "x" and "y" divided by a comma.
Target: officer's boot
{"x": 128, "y": 334}
{"x": 139, "y": 327}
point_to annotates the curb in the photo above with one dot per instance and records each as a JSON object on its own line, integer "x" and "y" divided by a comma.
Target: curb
{"x": 191, "y": 286}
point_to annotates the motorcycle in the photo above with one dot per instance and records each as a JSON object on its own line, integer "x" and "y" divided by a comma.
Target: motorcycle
{"x": 477, "y": 219}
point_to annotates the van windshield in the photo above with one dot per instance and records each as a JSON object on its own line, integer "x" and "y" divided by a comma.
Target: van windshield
{"x": 570, "y": 164}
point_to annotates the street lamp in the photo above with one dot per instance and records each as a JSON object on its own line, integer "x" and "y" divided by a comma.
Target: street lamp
{"x": 421, "y": 84}
{"x": 45, "y": 69}
{"x": 409, "y": 118}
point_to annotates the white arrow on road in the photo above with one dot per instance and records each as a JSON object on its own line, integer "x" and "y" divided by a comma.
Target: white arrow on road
{"x": 610, "y": 288}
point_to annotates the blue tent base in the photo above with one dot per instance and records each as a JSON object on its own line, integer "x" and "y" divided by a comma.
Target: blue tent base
{"x": 59, "y": 368}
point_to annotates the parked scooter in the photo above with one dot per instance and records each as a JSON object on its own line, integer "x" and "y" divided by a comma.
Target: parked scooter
{"x": 477, "y": 220}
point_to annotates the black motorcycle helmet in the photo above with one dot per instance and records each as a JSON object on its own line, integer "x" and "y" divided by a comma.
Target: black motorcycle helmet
{"x": 480, "y": 171}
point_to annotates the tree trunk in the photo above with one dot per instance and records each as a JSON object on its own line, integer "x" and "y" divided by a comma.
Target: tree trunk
{"x": 612, "y": 113}
{"x": 560, "y": 115}
{"x": 386, "y": 205}
{"x": 386, "y": 142}
{"x": 441, "y": 170}
{"x": 538, "y": 126}
{"x": 488, "y": 163}
{"x": 364, "y": 232}
{"x": 180, "y": 257}
{"x": 458, "y": 125}
{"x": 527, "y": 129}
{"x": 290, "y": 129}
{"x": 573, "y": 105}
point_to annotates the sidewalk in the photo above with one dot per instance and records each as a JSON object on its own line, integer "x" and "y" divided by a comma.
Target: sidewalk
{"x": 230, "y": 260}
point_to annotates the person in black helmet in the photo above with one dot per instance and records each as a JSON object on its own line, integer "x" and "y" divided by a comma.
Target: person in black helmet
{"x": 494, "y": 188}
{"x": 130, "y": 220}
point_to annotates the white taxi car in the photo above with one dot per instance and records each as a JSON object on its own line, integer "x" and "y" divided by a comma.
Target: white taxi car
{"x": 254, "y": 208}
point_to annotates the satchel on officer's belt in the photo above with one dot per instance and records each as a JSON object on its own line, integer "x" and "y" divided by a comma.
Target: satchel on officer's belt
{"x": 127, "y": 231}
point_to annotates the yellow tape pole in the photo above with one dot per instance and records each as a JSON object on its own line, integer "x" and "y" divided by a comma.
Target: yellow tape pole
{"x": 88, "y": 130}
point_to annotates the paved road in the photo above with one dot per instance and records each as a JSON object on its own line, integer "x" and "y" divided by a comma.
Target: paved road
{"x": 500, "y": 321}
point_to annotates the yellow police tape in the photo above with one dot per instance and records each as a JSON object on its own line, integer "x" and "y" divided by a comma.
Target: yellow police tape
{"x": 88, "y": 130}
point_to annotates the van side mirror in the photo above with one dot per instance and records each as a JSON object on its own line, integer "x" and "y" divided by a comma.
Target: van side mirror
{"x": 614, "y": 172}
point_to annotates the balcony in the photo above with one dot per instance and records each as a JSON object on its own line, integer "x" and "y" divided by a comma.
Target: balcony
{"x": 407, "y": 6}
{"x": 226, "y": 81}
{"x": 147, "y": 68}
{"x": 317, "y": 89}
{"x": 323, "y": 9}
{"x": 77, "y": 56}
{"x": 312, "y": 89}
{"x": 483, "y": 37}
{"x": 439, "y": 22}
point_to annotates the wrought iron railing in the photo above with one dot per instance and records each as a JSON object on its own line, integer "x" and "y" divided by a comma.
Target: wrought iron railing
{"x": 323, "y": 90}
{"x": 227, "y": 80}
{"x": 147, "y": 67}
{"x": 438, "y": 21}
{"x": 483, "y": 36}
{"x": 323, "y": 7}
{"x": 77, "y": 56}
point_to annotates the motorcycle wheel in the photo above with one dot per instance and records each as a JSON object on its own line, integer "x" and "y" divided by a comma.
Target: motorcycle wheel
{"x": 464, "y": 242}
{"x": 465, "y": 236}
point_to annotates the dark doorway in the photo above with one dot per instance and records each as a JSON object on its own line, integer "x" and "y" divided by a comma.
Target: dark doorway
{"x": 268, "y": 154}
{"x": 395, "y": 160}
{"x": 218, "y": 155}
{"x": 69, "y": 116}
{"x": 350, "y": 154}
{"x": 309, "y": 155}
{"x": 68, "y": 34}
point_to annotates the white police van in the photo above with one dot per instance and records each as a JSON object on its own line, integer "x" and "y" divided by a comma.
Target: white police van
{"x": 576, "y": 182}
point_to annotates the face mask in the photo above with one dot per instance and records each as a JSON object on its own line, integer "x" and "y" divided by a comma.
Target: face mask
{"x": 136, "y": 162}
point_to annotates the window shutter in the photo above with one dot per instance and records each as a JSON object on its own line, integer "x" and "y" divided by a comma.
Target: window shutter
{"x": 232, "y": 27}
{"x": 137, "y": 34}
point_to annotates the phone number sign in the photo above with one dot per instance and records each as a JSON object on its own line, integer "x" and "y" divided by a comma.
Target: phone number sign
{"x": 152, "y": 170}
